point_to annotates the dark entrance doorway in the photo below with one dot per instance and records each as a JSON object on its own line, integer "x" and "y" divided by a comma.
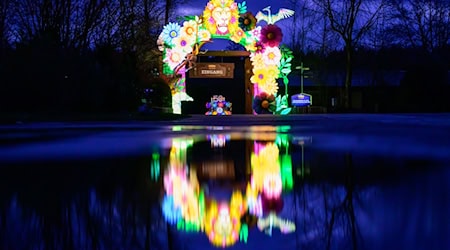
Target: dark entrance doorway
{"x": 235, "y": 90}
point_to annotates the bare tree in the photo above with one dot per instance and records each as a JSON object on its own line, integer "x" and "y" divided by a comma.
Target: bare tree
{"x": 4, "y": 22}
{"x": 351, "y": 19}
{"x": 70, "y": 23}
{"x": 303, "y": 24}
{"x": 171, "y": 6}
{"x": 420, "y": 23}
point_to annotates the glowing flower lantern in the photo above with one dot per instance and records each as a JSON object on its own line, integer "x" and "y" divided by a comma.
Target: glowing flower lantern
{"x": 204, "y": 35}
{"x": 247, "y": 21}
{"x": 260, "y": 48}
{"x": 170, "y": 32}
{"x": 263, "y": 103}
{"x": 189, "y": 29}
{"x": 272, "y": 56}
{"x": 174, "y": 57}
{"x": 256, "y": 32}
{"x": 271, "y": 35}
{"x": 260, "y": 76}
{"x": 183, "y": 43}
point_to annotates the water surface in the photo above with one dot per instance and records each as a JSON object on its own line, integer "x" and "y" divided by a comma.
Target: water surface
{"x": 208, "y": 187}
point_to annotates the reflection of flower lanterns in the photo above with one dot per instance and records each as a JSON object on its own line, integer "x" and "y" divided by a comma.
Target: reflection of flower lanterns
{"x": 173, "y": 176}
{"x": 271, "y": 204}
{"x": 255, "y": 206}
{"x": 181, "y": 192}
{"x": 272, "y": 186}
{"x": 223, "y": 225}
{"x": 218, "y": 140}
{"x": 171, "y": 213}
{"x": 237, "y": 203}
{"x": 190, "y": 209}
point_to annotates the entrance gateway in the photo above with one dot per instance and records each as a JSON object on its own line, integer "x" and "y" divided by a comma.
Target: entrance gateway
{"x": 224, "y": 19}
{"x": 225, "y": 73}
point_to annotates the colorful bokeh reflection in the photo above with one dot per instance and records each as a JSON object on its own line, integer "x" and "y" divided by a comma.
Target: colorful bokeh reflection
{"x": 194, "y": 207}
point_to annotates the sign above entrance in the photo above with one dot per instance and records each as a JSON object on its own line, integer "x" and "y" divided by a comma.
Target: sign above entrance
{"x": 212, "y": 70}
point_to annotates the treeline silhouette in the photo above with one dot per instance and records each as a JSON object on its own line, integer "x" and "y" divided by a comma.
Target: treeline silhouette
{"x": 40, "y": 77}
{"x": 391, "y": 79}
{"x": 78, "y": 57}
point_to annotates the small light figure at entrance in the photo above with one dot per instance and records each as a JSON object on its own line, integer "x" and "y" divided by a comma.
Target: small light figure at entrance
{"x": 218, "y": 106}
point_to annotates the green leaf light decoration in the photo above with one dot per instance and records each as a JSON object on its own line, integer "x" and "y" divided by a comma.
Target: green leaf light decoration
{"x": 242, "y": 7}
{"x": 285, "y": 64}
{"x": 285, "y": 69}
{"x": 188, "y": 226}
{"x": 185, "y": 18}
{"x": 243, "y": 234}
{"x": 282, "y": 105}
{"x": 201, "y": 207}
{"x": 286, "y": 172}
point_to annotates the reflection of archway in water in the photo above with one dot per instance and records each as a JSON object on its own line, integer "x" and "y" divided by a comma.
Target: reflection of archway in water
{"x": 190, "y": 207}
{"x": 233, "y": 89}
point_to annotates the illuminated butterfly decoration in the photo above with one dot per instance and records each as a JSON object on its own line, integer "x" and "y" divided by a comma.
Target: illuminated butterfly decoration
{"x": 271, "y": 19}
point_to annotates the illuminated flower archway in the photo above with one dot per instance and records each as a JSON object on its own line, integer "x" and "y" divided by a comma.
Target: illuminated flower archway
{"x": 226, "y": 19}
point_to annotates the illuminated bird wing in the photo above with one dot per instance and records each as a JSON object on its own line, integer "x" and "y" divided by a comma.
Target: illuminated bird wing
{"x": 261, "y": 17}
{"x": 282, "y": 13}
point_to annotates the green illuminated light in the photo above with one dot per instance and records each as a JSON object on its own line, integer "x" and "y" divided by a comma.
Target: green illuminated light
{"x": 243, "y": 233}
{"x": 286, "y": 172}
{"x": 155, "y": 167}
{"x": 188, "y": 226}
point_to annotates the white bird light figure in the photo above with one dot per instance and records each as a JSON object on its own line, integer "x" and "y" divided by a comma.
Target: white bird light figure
{"x": 271, "y": 19}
